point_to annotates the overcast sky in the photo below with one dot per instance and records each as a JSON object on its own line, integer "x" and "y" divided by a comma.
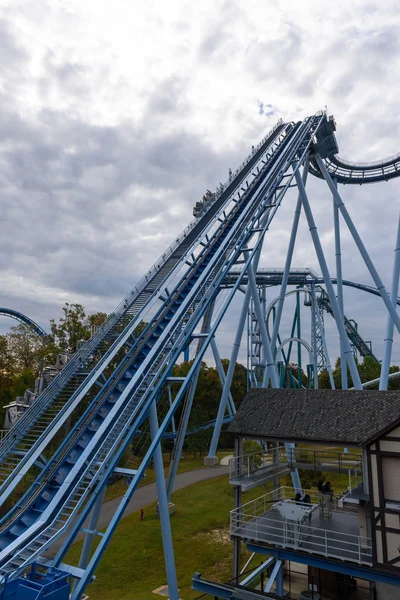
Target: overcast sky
{"x": 117, "y": 116}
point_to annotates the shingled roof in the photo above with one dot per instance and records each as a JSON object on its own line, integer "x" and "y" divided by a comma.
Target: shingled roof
{"x": 353, "y": 417}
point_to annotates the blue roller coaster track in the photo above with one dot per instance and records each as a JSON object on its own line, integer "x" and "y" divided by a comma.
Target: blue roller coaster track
{"x": 116, "y": 381}
{"x": 21, "y": 318}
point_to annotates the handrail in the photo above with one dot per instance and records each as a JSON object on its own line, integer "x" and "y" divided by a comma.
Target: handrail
{"x": 372, "y": 164}
{"x": 261, "y": 459}
{"x": 330, "y": 543}
{"x": 250, "y": 522}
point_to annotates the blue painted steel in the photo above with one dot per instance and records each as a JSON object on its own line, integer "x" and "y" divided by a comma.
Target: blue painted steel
{"x": 212, "y": 452}
{"x": 328, "y": 362}
{"x": 68, "y": 487}
{"x": 276, "y": 576}
{"x": 314, "y": 310}
{"x": 257, "y": 571}
{"x": 299, "y": 365}
{"x": 328, "y": 282}
{"x": 18, "y": 316}
{"x": 100, "y": 549}
{"x": 330, "y": 565}
{"x": 91, "y": 451}
{"x": 360, "y": 245}
{"x": 73, "y": 384}
{"x": 91, "y": 531}
{"x": 187, "y": 407}
{"x": 226, "y": 591}
{"x": 390, "y": 325}
{"x": 339, "y": 285}
{"x": 51, "y": 585}
{"x": 358, "y": 173}
{"x": 163, "y": 510}
{"x": 288, "y": 263}
{"x": 209, "y": 587}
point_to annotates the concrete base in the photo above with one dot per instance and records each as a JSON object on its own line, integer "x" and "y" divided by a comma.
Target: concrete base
{"x": 162, "y": 591}
{"x": 171, "y": 509}
{"x": 211, "y": 461}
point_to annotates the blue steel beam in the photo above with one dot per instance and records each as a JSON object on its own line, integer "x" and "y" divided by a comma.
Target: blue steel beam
{"x": 366, "y": 573}
{"x": 18, "y": 316}
{"x": 390, "y": 325}
{"x": 227, "y": 591}
{"x": 361, "y": 247}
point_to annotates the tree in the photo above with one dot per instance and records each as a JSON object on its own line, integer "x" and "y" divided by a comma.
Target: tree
{"x": 23, "y": 345}
{"x": 7, "y": 371}
{"x": 199, "y": 437}
{"x": 368, "y": 370}
{"x": 23, "y": 381}
{"x": 74, "y": 326}
{"x": 71, "y": 327}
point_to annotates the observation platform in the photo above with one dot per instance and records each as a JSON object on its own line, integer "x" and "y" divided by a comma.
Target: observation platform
{"x": 251, "y": 470}
{"x": 318, "y": 528}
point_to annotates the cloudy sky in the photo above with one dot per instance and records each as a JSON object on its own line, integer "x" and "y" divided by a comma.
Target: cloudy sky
{"x": 116, "y": 116}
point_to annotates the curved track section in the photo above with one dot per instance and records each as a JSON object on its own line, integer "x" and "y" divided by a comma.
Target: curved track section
{"x": 272, "y": 277}
{"x": 348, "y": 172}
{"x": 14, "y": 314}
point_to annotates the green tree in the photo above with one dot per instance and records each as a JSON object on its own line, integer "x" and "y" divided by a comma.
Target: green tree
{"x": 199, "y": 437}
{"x": 7, "y": 371}
{"x": 22, "y": 382}
{"x": 73, "y": 326}
{"x": 23, "y": 345}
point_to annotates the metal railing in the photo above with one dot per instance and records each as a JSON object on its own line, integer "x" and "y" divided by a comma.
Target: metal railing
{"x": 256, "y": 520}
{"x": 247, "y": 464}
{"x": 355, "y": 477}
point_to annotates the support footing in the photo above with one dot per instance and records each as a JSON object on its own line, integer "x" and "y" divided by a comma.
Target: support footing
{"x": 171, "y": 509}
{"x": 211, "y": 461}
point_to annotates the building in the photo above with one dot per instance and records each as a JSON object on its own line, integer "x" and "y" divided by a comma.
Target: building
{"x": 347, "y": 541}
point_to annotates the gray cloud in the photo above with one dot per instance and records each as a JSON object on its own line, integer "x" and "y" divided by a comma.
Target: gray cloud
{"x": 104, "y": 151}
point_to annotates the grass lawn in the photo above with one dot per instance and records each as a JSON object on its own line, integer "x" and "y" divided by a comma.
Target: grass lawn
{"x": 133, "y": 564}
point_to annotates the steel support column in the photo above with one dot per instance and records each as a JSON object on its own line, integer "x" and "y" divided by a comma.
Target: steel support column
{"x": 314, "y": 310}
{"x": 339, "y": 285}
{"x": 182, "y": 428}
{"x": 163, "y": 509}
{"x": 237, "y": 501}
{"x": 328, "y": 282}
{"x": 325, "y": 347}
{"x": 390, "y": 325}
{"x": 299, "y": 364}
{"x": 232, "y": 363}
{"x": 221, "y": 373}
{"x": 288, "y": 262}
{"x": 91, "y": 530}
{"x": 360, "y": 245}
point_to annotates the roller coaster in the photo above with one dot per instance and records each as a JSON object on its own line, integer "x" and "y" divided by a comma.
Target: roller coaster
{"x": 113, "y": 389}
{"x": 21, "y": 318}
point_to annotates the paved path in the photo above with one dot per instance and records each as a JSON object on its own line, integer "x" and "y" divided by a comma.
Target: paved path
{"x": 146, "y": 495}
